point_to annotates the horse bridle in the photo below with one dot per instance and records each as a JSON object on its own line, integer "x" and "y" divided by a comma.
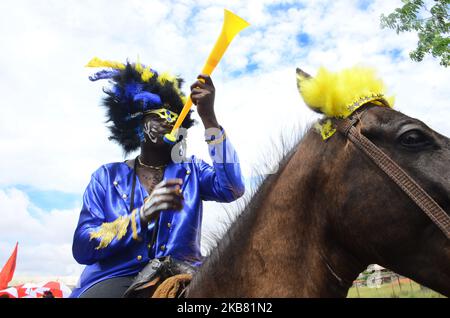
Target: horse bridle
{"x": 347, "y": 127}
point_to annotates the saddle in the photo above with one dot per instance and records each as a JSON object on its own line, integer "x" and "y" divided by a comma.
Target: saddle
{"x": 161, "y": 278}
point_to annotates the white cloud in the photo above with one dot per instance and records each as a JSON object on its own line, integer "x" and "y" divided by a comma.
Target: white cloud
{"x": 51, "y": 127}
{"x": 45, "y": 237}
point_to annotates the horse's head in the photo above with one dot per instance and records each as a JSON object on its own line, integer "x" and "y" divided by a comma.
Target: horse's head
{"x": 370, "y": 215}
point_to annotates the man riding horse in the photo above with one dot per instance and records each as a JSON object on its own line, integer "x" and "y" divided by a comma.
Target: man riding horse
{"x": 141, "y": 214}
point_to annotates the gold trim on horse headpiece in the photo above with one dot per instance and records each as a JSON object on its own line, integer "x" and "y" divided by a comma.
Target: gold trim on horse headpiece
{"x": 338, "y": 95}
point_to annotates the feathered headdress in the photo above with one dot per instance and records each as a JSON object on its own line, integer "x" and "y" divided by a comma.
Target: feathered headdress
{"x": 135, "y": 90}
{"x": 338, "y": 95}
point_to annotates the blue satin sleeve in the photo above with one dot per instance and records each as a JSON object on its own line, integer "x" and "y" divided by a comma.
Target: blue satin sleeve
{"x": 104, "y": 227}
{"x": 222, "y": 182}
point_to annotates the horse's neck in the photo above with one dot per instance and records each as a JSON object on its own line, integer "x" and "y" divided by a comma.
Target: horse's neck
{"x": 281, "y": 248}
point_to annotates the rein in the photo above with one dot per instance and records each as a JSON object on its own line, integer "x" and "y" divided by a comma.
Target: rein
{"x": 347, "y": 127}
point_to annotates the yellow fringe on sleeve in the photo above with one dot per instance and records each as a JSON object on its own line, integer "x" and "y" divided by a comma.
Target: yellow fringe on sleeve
{"x": 110, "y": 230}
{"x": 134, "y": 224}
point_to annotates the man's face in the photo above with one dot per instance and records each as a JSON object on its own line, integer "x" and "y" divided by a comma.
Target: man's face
{"x": 155, "y": 128}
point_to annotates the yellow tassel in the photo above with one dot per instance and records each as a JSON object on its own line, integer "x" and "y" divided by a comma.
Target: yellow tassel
{"x": 147, "y": 74}
{"x": 96, "y": 62}
{"x": 338, "y": 95}
{"x": 172, "y": 286}
{"x": 326, "y": 129}
{"x": 167, "y": 77}
{"x": 138, "y": 67}
{"x": 109, "y": 231}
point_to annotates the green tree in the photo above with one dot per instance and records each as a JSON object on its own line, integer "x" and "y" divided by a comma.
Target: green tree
{"x": 431, "y": 24}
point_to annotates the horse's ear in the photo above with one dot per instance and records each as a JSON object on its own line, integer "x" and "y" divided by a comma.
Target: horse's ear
{"x": 303, "y": 76}
{"x": 302, "y": 73}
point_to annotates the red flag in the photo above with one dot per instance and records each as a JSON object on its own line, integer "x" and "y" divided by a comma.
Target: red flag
{"x": 7, "y": 272}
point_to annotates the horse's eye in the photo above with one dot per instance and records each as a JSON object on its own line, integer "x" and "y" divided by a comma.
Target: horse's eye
{"x": 415, "y": 139}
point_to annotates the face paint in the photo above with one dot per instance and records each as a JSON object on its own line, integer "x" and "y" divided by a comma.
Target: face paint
{"x": 158, "y": 124}
{"x": 151, "y": 132}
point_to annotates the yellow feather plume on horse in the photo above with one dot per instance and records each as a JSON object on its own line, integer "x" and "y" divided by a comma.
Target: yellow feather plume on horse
{"x": 338, "y": 95}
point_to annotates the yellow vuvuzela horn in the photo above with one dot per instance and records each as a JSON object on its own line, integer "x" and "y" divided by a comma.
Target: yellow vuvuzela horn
{"x": 232, "y": 25}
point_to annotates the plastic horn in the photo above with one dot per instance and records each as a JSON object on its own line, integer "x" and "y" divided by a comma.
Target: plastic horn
{"x": 232, "y": 25}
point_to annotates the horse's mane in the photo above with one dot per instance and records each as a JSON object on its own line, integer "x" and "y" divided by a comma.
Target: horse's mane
{"x": 280, "y": 152}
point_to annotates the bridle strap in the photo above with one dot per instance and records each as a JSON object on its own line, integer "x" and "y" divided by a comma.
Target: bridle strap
{"x": 396, "y": 173}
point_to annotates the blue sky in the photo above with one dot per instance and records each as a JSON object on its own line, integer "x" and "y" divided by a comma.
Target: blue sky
{"x": 303, "y": 39}
{"x": 364, "y": 4}
{"x": 50, "y": 199}
{"x": 57, "y": 137}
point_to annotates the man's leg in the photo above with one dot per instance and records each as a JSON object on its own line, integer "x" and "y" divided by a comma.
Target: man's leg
{"x": 109, "y": 288}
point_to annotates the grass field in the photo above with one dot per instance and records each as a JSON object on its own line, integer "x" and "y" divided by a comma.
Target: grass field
{"x": 403, "y": 289}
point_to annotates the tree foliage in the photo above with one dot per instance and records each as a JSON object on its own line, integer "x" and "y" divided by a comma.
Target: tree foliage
{"x": 431, "y": 24}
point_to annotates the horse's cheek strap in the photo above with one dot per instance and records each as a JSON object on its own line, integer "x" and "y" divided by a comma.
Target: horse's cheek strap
{"x": 397, "y": 174}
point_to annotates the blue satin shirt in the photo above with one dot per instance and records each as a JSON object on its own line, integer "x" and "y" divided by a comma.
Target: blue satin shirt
{"x": 109, "y": 237}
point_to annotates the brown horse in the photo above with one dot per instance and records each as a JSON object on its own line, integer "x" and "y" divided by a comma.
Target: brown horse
{"x": 329, "y": 212}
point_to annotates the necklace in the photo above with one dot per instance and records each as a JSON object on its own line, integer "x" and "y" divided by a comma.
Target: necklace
{"x": 148, "y": 166}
